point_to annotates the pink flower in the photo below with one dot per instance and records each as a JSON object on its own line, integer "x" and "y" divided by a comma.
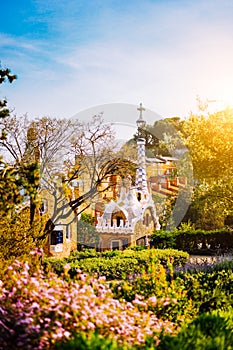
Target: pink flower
{"x": 67, "y": 267}
{"x": 153, "y": 300}
{"x": 67, "y": 334}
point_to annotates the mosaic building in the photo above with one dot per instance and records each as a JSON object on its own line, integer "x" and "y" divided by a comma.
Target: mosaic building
{"x": 131, "y": 219}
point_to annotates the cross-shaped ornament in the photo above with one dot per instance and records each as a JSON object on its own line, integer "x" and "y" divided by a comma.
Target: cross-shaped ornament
{"x": 140, "y": 122}
{"x": 141, "y": 109}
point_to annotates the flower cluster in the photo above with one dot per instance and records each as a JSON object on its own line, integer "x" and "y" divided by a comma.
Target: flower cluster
{"x": 37, "y": 310}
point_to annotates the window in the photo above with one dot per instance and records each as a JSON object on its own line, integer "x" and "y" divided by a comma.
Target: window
{"x": 68, "y": 232}
{"x": 125, "y": 243}
{"x": 115, "y": 245}
{"x": 56, "y": 237}
{"x": 44, "y": 206}
{"x": 147, "y": 219}
{"x": 118, "y": 221}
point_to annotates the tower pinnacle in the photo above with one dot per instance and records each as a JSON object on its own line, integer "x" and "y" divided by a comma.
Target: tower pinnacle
{"x": 140, "y": 122}
{"x": 141, "y": 109}
{"x": 141, "y": 179}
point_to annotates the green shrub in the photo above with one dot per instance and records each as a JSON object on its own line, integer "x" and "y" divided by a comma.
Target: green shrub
{"x": 116, "y": 268}
{"x": 90, "y": 341}
{"x": 207, "y": 332}
{"x": 194, "y": 241}
{"x": 223, "y": 265}
{"x": 54, "y": 264}
{"x": 86, "y": 253}
{"x": 138, "y": 248}
{"x": 163, "y": 239}
{"x": 209, "y": 290}
{"x": 165, "y": 256}
{"x": 171, "y": 299}
{"x": 116, "y": 264}
{"x": 110, "y": 253}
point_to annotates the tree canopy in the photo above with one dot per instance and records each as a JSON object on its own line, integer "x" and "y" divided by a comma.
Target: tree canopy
{"x": 5, "y": 75}
{"x": 209, "y": 139}
{"x": 210, "y": 143}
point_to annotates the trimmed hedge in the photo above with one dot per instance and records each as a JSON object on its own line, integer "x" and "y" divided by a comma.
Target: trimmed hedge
{"x": 194, "y": 242}
{"x": 116, "y": 264}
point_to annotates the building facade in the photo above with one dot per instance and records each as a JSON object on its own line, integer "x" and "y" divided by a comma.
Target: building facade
{"x": 131, "y": 219}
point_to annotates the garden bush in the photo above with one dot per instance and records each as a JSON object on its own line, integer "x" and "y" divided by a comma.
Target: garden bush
{"x": 90, "y": 341}
{"x": 210, "y": 331}
{"x": 41, "y": 310}
{"x": 195, "y": 241}
{"x": 187, "y": 293}
{"x": 83, "y": 254}
{"x": 37, "y": 310}
{"x": 109, "y": 268}
{"x": 209, "y": 290}
{"x": 207, "y": 332}
{"x": 223, "y": 265}
{"x": 117, "y": 265}
{"x": 170, "y": 299}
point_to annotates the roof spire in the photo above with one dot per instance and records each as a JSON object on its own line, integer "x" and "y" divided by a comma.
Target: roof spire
{"x": 140, "y": 122}
{"x": 141, "y": 109}
{"x": 141, "y": 180}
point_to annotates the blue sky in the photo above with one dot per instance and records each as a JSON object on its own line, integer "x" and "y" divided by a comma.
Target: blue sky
{"x": 72, "y": 55}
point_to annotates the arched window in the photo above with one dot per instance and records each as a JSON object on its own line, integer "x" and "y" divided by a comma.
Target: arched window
{"x": 147, "y": 219}
{"x": 118, "y": 216}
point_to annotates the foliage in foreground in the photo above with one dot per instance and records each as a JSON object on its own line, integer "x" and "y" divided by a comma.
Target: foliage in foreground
{"x": 91, "y": 341}
{"x": 209, "y": 290}
{"x": 44, "y": 311}
{"x": 206, "y": 332}
{"x": 171, "y": 300}
{"x": 191, "y": 292}
{"x": 38, "y": 309}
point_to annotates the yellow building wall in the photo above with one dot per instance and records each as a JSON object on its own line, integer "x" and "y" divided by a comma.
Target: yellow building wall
{"x": 60, "y": 213}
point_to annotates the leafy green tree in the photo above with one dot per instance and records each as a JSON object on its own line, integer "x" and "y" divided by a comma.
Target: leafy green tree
{"x": 5, "y": 75}
{"x": 87, "y": 236}
{"x": 209, "y": 139}
{"x": 16, "y": 184}
{"x": 167, "y": 130}
{"x": 87, "y": 218}
{"x": 18, "y": 237}
{"x": 210, "y": 143}
{"x": 212, "y": 204}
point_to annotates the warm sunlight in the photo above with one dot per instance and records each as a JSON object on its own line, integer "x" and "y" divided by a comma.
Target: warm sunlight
{"x": 116, "y": 175}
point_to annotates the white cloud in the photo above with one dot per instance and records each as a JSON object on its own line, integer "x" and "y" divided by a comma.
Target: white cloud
{"x": 164, "y": 56}
{"x": 9, "y": 41}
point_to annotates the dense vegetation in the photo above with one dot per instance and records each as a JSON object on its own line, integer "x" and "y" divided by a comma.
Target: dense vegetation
{"x": 197, "y": 242}
{"x": 162, "y": 307}
{"x": 116, "y": 264}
